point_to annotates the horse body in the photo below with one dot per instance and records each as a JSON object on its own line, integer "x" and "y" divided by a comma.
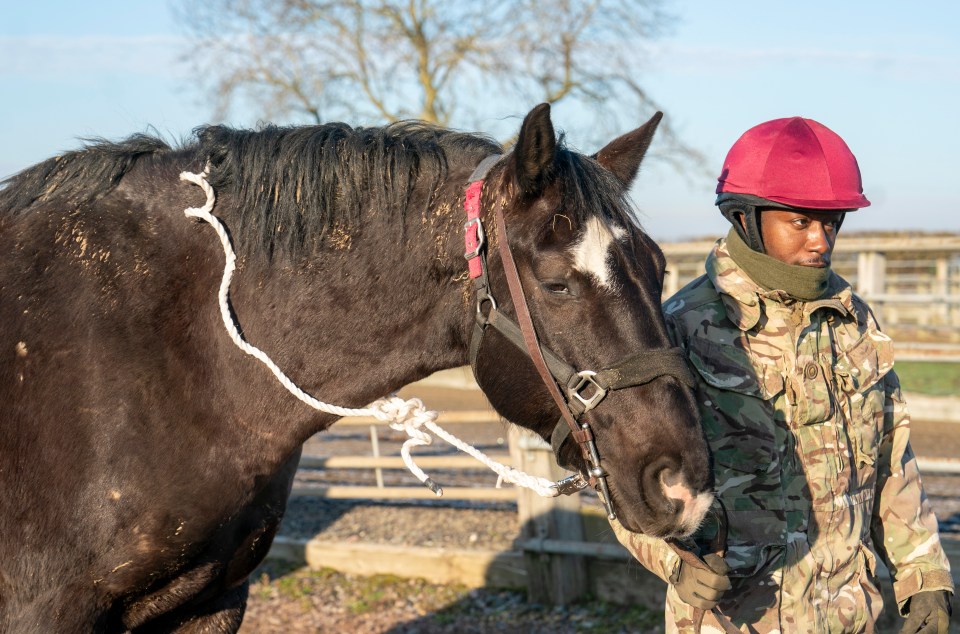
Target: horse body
{"x": 145, "y": 460}
{"x": 110, "y": 440}
{"x": 157, "y": 440}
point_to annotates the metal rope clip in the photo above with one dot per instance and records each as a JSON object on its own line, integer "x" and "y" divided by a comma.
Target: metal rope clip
{"x": 570, "y": 485}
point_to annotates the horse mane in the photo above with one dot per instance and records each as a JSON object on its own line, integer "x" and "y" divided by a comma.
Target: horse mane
{"x": 291, "y": 185}
{"x": 78, "y": 176}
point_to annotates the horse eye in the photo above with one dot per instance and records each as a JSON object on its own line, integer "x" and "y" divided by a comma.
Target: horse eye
{"x": 557, "y": 288}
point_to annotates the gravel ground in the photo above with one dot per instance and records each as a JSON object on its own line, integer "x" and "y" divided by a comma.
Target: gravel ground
{"x": 488, "y": 526}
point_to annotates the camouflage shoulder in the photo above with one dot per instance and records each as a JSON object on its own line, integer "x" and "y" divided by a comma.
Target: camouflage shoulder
{"x": 696, "y": 294}
{"x": 857, "y": 306}
{"x": 862, "y": 311}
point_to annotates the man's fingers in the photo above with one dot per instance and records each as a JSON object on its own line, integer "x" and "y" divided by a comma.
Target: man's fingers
{"x": 703, "y": 603}
{"x": 709, "y": 594}
{"x": 717, "y": 563}
{"x": 936, "y": 623}
{"x": 708, "y": 597}
{"x": 700, "y": 596}
{"x": 939, "y": 623}
{"x": 912, "y": 624}
{"x": 933, "y": 628}
{"x": 702, "y": 586}
{"x": 714, "y": 582}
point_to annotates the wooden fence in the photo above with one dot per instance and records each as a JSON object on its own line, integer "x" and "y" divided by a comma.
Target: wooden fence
{"x": 378, "y": 463}
{"x": 551, "y": 534}
{"x": 559, "y": 561}
{"x": 912, "y": 282}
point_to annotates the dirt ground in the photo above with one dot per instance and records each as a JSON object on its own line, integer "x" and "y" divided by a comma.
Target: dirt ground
{"x": 303, "y": 601}
{"x": 314, "y": 602}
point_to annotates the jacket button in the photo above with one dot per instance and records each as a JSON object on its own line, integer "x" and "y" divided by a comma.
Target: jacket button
{"x": 810, "y": 372}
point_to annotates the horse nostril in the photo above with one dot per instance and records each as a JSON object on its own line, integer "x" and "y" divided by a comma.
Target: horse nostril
{"x": 673, "y": 485}
{"x": 653, "y": 483}
{"x": 690, "y": 506}
{"x": 677, "y": 504}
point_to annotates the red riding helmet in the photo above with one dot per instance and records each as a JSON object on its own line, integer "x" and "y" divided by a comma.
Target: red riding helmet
{"x": 796, "y": 162}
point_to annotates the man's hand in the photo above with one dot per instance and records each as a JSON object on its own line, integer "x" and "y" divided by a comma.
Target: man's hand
{"x": 929, "y": 613}
{"x": 702, "y": 588}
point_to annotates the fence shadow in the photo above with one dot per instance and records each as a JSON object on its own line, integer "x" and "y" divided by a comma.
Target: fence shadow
{"x": 618, "y": 595}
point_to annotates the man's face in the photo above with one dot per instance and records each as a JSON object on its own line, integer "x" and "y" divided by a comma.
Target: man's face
{"x": 803, "y": 238}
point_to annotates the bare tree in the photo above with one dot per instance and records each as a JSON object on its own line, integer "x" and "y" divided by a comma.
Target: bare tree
{"x": 452, "y": 62}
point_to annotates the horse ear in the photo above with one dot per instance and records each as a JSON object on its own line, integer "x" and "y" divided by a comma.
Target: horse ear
{"x": 622, "y": 156}
{"x": 535, "y": 150}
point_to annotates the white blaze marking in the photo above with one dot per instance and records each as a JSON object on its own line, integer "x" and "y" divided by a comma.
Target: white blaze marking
{"x": 592, "y": 253}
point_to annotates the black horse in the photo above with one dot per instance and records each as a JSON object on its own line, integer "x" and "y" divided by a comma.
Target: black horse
{"x": 145, "y": 461}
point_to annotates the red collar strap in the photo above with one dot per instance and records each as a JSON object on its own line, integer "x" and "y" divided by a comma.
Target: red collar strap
{"x": 474, "y": 236}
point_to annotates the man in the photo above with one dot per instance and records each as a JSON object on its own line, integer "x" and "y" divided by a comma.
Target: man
{"x": 802, "y": 410}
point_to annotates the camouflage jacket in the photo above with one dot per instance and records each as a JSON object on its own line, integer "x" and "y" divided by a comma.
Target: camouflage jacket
{"x": 810, "y": 439}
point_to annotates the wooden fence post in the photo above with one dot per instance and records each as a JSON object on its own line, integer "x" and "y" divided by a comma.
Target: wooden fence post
{"x": 671, "y": 281}
{"x": 872, "y": 281}
{"x": 941, "y": 287}
{"x": 551, "y": 578}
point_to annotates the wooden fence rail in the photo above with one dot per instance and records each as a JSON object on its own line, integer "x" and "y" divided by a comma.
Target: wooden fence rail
{"x": 912, "y": 282}
{"x": 527, "y": 453}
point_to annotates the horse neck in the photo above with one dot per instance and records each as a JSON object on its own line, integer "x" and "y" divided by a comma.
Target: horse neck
{"x": 377, "y": 307}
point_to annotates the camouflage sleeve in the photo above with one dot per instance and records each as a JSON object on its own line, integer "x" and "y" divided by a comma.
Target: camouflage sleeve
{"x": 904, "y": 528}
{"x": 674, "y": 332}
{"x": 653, "y": 553}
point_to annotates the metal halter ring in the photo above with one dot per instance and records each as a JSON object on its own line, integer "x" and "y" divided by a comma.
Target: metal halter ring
{"x": 482, "y": 299}
{"x": 578, "y": 381}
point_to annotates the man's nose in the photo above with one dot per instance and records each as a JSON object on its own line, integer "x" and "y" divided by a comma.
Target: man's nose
{"x": 818, "y": 238}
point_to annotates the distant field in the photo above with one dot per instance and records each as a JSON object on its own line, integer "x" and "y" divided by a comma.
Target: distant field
{"x": 923, "y": 377}
{"x": 933, "y": 379}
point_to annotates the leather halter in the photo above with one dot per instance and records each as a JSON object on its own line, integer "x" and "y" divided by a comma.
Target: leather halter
{"x": 582, "y": 390}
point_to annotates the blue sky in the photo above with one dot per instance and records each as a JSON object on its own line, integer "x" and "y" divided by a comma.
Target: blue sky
{"x": 883, "y": 74}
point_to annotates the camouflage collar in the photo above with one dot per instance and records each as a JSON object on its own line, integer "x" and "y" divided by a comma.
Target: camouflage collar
{"x": 744, "y": 299}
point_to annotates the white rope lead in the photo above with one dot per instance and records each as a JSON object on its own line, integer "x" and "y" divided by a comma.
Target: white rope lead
{"x": 408, "y": 416}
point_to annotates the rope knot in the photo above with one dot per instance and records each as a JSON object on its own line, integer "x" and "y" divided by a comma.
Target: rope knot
{"x": 401, "y": 414}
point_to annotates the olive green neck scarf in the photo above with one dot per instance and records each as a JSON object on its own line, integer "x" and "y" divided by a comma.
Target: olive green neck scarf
{"x": 802, "y": 282}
